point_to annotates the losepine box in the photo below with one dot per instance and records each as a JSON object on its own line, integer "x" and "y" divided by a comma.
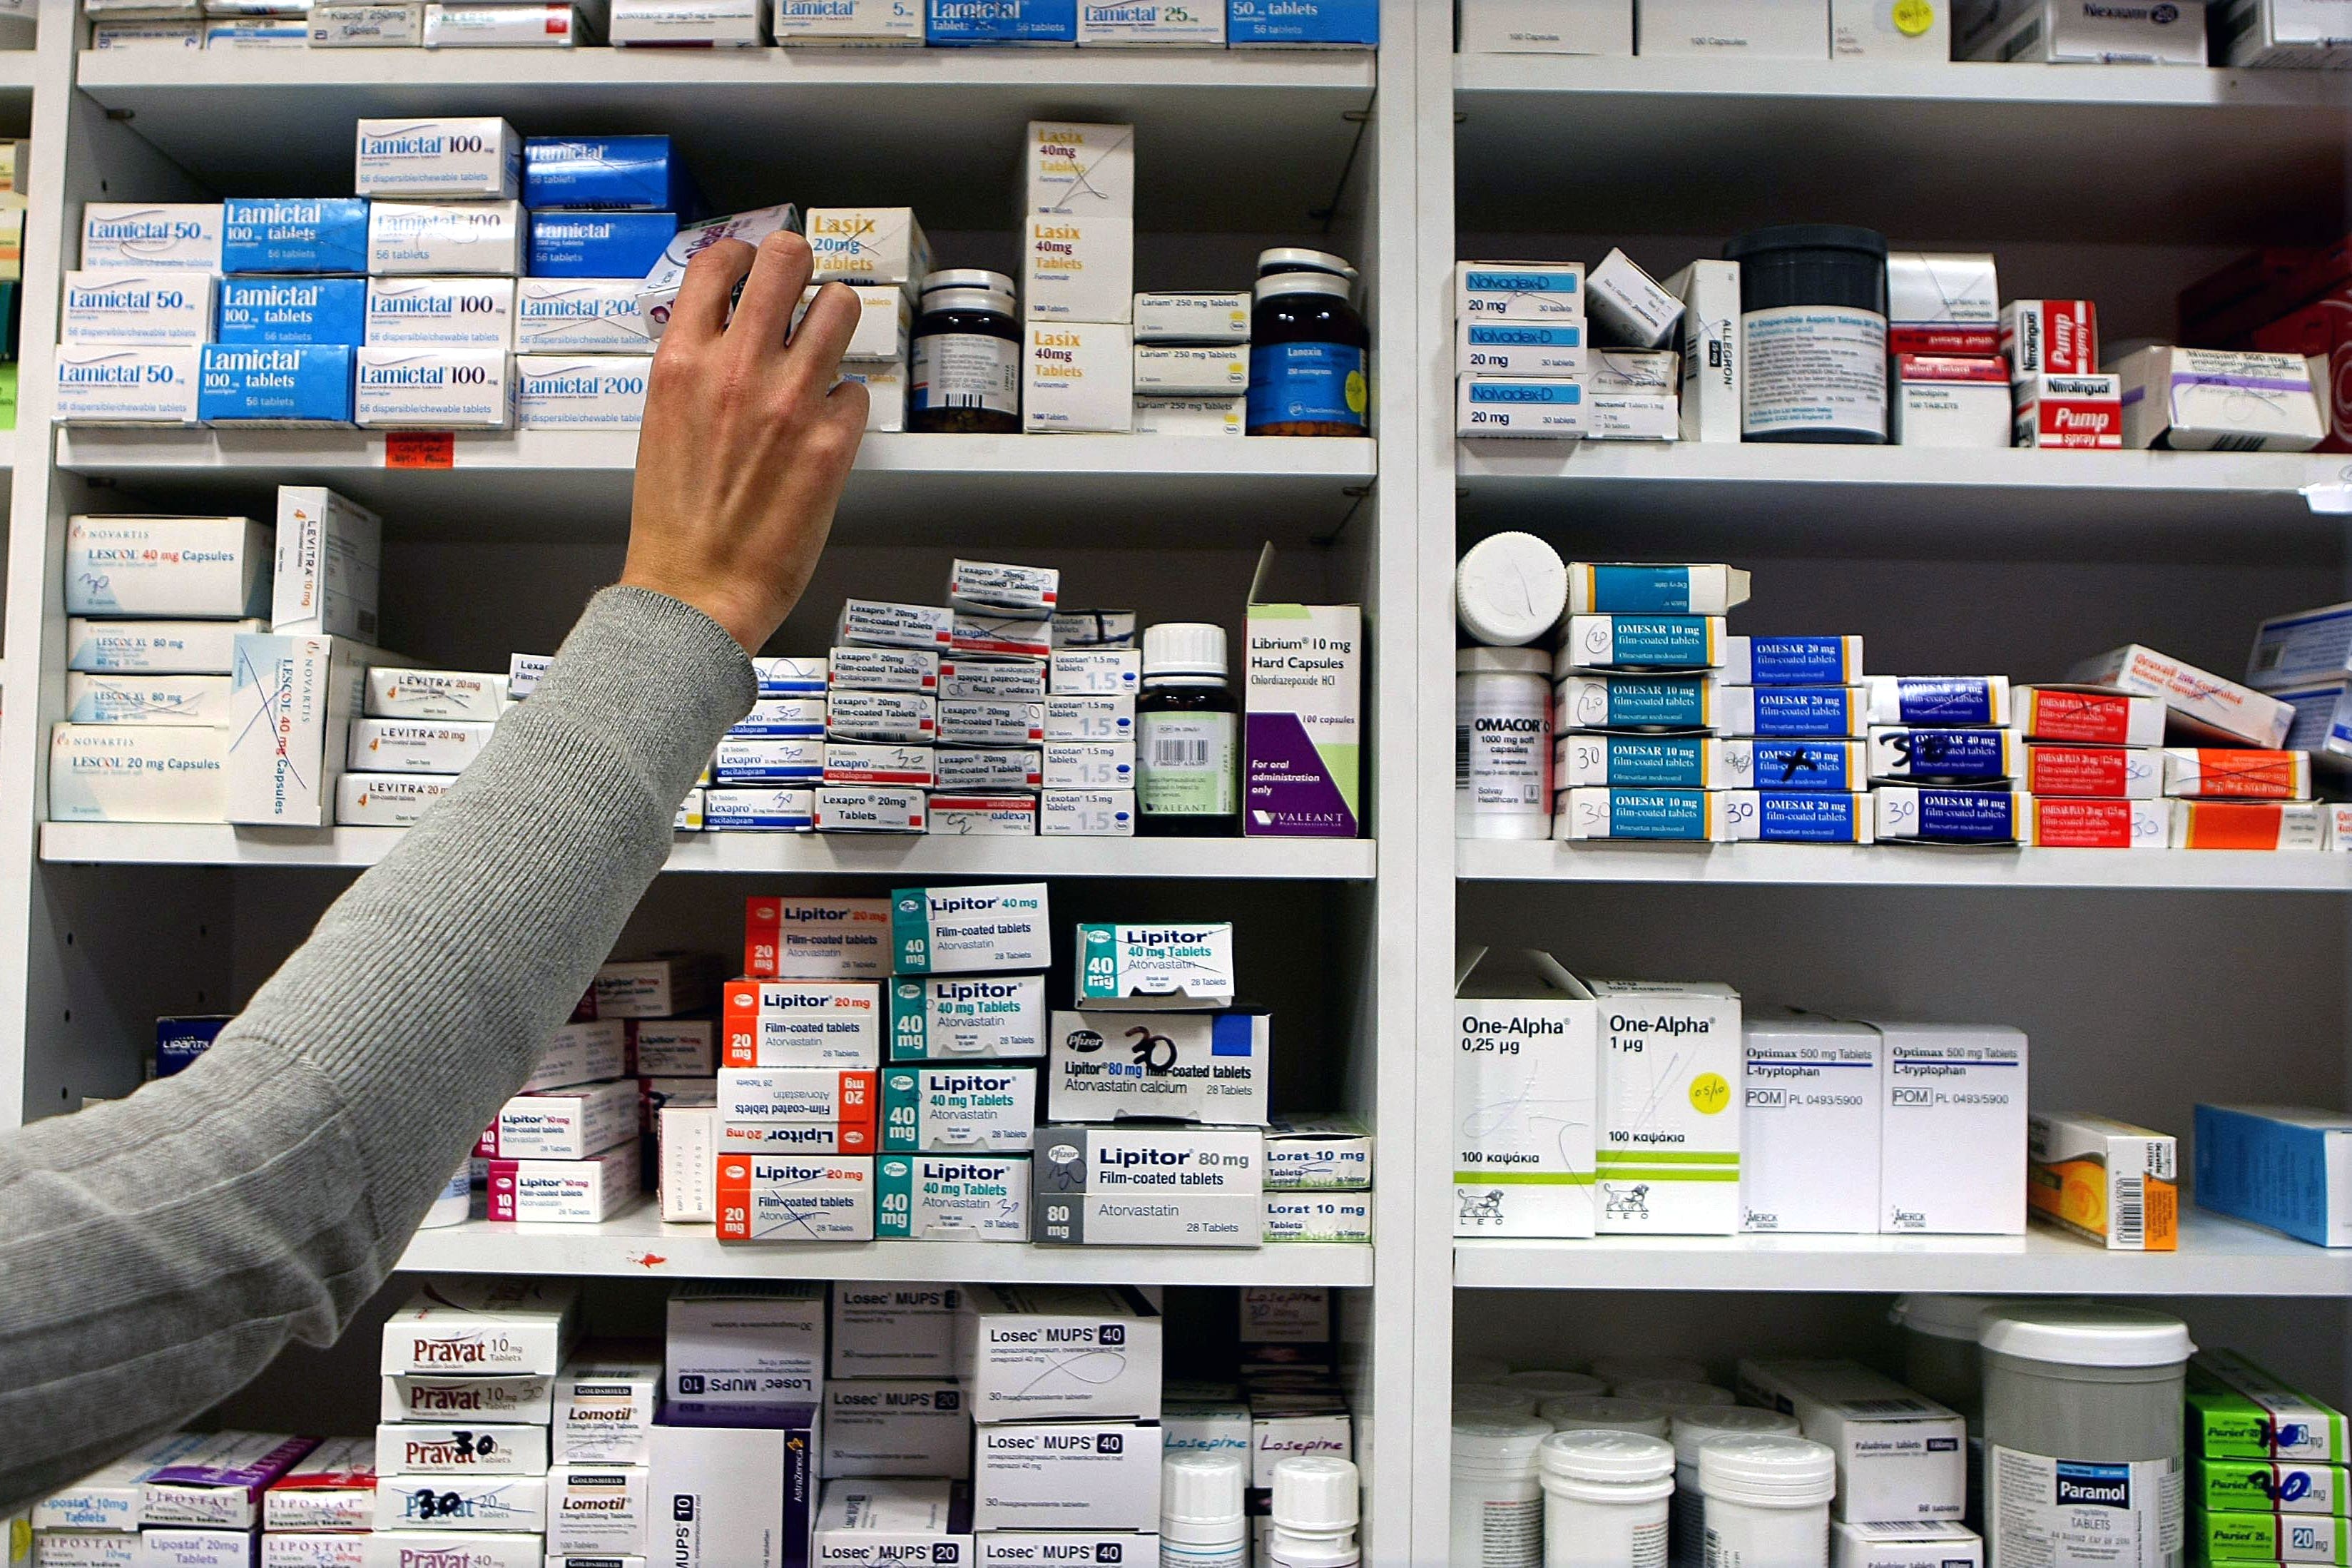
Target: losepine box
{"x": 596, "y": 1513}
{"x": 219, "y": 1483}
{"x": 849, "y": 23}
{"x": 887, "y": 1522}
{"x": 291, "y": 385}
{"x": 802, "y": 1022}
{"x": 329, "y": 560}
{"x": 442, "y": 159}
{"x": 1925, "y": 1543}
{"x": 333, "y": 1488}
{"x": 816, "y": 939}
{"x": 314, "y": 234}
{"x": 146, "y": 236}
{"x": 560, "y": 391}
{"x": 397, "y": 692}
{"x": 106, "y": 384}
{"x": 952, "y": 1198}
{"x": 1079, "y": 377}
{"x": 1955, "y": 1130}
{"x": 146, "y": 310}
{"x": 432, "y": 1506}
{"x": 440, "y": 1396}
{"x": 966, "y": 1017}
{"x": 1151, "y": 968}
{"x": 596, "y": 244}
{"x": 2202, "y": 705}
{"x": 1528, "y": 408}
{"x": 1209, "y": 1067}
{"x": 1066, "y": 1475}
{"x": 137, "y": 565}
{"x": 440, "y": 312}
{"x": 460, "y": 1448}
{"x": 471, "y": 1546}
{"x": 968, "y": 1107}
{"x": 786, "y": 1197}
{"x": 1052, "y": 1352}
{"x": 1812, "y": 1094}
{"x": 2288, "y": 1168}
{"x": 1899, "y": 1457}
{"x": 570, "y": 1123}
{"x": 579, "y": 315}
{"x": 963, "y": 930}
{"x": 256, "y": 309}
{"x": 659, "y": 288}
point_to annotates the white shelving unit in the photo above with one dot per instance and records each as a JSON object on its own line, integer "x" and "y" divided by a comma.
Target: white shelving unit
{"x": 2146, "y": 980}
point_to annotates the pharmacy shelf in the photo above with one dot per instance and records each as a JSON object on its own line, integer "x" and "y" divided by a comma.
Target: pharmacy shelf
{"x": 1974, "y": 499}
{"x": 937, "y": 128}
{"x": 2184, "y": 154}
{"x": 16, "y": 70}
{"x": 2217, "y": 1258}
{"x": 908, "y": 489}
{"x": 1903, "y": 865}
{"x": 638, "y": 1245}
{"x": 1260, "y": 859}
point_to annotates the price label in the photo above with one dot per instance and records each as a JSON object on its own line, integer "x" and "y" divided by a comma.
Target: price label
{"x": 420, "y": 449}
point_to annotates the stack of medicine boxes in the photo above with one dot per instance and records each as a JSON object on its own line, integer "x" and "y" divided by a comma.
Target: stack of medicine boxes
{"x": 445, "y": 242}
{"x": 205, "y": 1508}
{"x": 416, "y": 732}
{"x": 2090, "y": 766}
{"x": 2267, "y": 1468}
{"x": 605, "y": 1402}
{"x": 320, "y": 1511}
{"x": 96, "y": 1518}
{"x": 1520, "y": 349}
{"x": 137, "y": 317}
{"x": 883, "y": 254}
{"x": 1290, "y": 1395}
{"x": 896, "y": 1456}
{"x": 1191, "y": 364}
{"x": 602, "y": 209}
{"x": 1942, "y": 759}
{"x": 1633, "y": 379}
{"x": 994, "y": 711}
{"x": 156, "y": 607}
{"x": 2063, "y": 398}
{"x": 1093, "y": 680}
{"x": 763, "y": 775}
{"x": 1078, "y": 285}
{"x": 1668, "y": 727}
{"x": 1951, "y": 387}
{"x": 469, "y": 1368}
{"x": 881, "y": 717}
{"x": 736, "y": 1445}
{"x": 565, "y": 1149}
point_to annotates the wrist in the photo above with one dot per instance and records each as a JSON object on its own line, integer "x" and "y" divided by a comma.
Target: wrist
{"x": 746, "y": 623}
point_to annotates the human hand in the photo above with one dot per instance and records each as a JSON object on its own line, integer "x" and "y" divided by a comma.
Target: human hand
{"x": 747, "y": 439}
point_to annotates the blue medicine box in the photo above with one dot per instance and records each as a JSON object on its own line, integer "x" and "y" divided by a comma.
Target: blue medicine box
{"x": 1963, "y": 817}
{"x": 598, "y": 245}
{"x": 297, "y": 310}
{"x": 758, "y": 810}
{"x": 960, "y": 22}
{"x": 1672, "y": 814}
{"x": 1806, "y": 817}
{"x": 604, "y": 174}
{"x": 1792, "y": 661}
{"x": 179, "y": 1041}
{"x": 1329, "y": 23}
{"x": 1804, "y": 711}
{"x": 2279, "y": 1166}
{"x": 300, "y": 235}
{"x": 241, "y": 383}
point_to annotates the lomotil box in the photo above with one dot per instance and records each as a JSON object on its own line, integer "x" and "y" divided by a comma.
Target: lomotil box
{"x": 1669, "y": 1147}
{"x": 1525, "y": 1083}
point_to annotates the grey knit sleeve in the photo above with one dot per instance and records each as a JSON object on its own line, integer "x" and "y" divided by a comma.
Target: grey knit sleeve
{"x": 156, "y": 1253}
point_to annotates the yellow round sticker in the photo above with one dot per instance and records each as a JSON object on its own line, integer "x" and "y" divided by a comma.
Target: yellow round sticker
{"x": 1709, "y": 1093}
{"x": 1913, "y": 17}
{"x": 1358, "y": 392}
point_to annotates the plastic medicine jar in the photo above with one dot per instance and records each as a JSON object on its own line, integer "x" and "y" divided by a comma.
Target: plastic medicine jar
{"x": 1767, "y": 1501}
{"x": 1813, "y": 302}
{"x": 1693, "y": 1427}
{"x": 2076, "y": 1394}
{"x": 1613, "y": 1369}
{"x": 1493, "y": 1399}
{"x": 1598, "y": 1413}
{"x": 1676, "y": 1394}
{"x": 965, "y": 359}
{"x": 1202, "y": 1520}
{"x": 1503, "y": 751}
{"x": 1605, "y": 1500}
{"x": 1510, "y": 589}
{"x": 1315, "y": 1514}
{"x": 1546, "y": 1383}
{"x": 1940, "y": 1348}
{"x": 1309, "y": 357}
{"x": 1499, "y": 1508}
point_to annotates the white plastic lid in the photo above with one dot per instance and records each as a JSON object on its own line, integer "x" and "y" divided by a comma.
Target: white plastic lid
{"x": 1508, "y": 590}
{"x": 1312, "y": 1494}
{"x": 1297, "y": 258}
{"x": 1544, "y": 1381}
{"x": 1509, "y": 1440}
{"x": 1616, "y": 1369}
{"x": 1605, "y": 1455}
{"x": 1509, "y": 662}
{"x": 1201, "y": 1489}
{"x": 1697, "y": 1425}
{"x": 966, "y": 277}
{"x": 1768, "y": 1469}
{"x": 1183, "y": 648}
{"x": 1595, "y": 1412}
{"x": 1675, "y": 1393}
{"x": 1945, "y": 1317}
{"x": 968, "y": 299}
{"x": 1479, "y": 1368}
{"x": 1274, "y": 285}
{"x": 1492, "y": 1399}
{"x": 2072, "y": 1335}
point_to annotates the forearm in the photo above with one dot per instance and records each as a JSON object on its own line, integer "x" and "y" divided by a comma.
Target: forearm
{"x": 154, "y": 1254}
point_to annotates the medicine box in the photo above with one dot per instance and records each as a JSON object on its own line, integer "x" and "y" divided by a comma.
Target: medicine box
{"x": 869, "y": 809}
{"x": 564, "y": 392}
{"x": 442, "y": 159}
{"x": 458, "y": 389}
{"x": 166, "y": 566}
{"x": 1540, "y": 292}
{"x": 876, "y": 623}
{"x": 1946, "y": 700}
{"x": 149, "y": 310}
{"x": 802, "y": 1022}
{"x": 329, "y": 562}
{"x": 1208, "y": 1068}
{"x": 1899, "y": 1457}
{"x": 1525, "y": 408}
{"x": 966, "y": 723}
{"x": 881, "y": 1330}
{"x": 2250, "y": 825}
{"x": 963, "y": 930}
{"x": 1318, "y": 1217}
{"x": 460, "y": 1447}
{"x": 2063, "y": 823}
{"x": 108, "y": 384}
{"x": 289, "y": 384}
{"x": 1629, "y": 307}
{"x": 1317, "y": 1154}
{"x": 581, "y": 1052}
{"x": 950, "y": 1018}
{"x": 397, "y": 692}
{"x": 490, "y": 1546}
{"x": 967, "y": 1108}
{"x": 400, "y": 24}
{"x": 2199, "y": 705}
{"x": 768, "y": 759}
{"x": 576, "y": 315}
{"x": 2239, "y": 1410}
{"x": 2296, "y": 34}
{"x": 145, "y": 235}
{"x": 2089, "y": 32}
{"x": 1947, "y": 756}
{"x": 894, "y": 1522}
{"x": 1081, "y": 376}
{"x": 1922, "y": 1543}
{"x": 1302, "y": 24}
{"x": 816, "y": 939}
{"x": 1526, "y": 1089}
{"x": 313, "y": 234}
{"x": 1076, "y": 168}
{"x": 2261, "y": 1486}
{"x": 2084, "y": 412}
{"x": 1078, "y": 266}
{"x": 1642, "y": 642}
{"x": 1810, "y": 1093}
{"x": 2286, "y": 1167}
{"x": 1954, "y": 1135}
{"x": 674, "y": 1047}
{"x": 631, "y": 173}
{"x": 2243, "y": 773}
{"x": 1053, "y": 1352}
{"x": 1546, "y": 27}
{"x": 689, "y": 24}
{"x": 2104, "y": 1179}
{"x": 859, "y": 668}
{"x": 952, "y": 1198}
{"x": 2049, "y": 337}
{"x": 1155, "y": 967}
{"x": 1669, "y": 1148}
{"x": 745, "y": 1342}
{"x": 437, "y": 313}
{"x": 2089, "y": 714}
{"x": 563, "y": 1124}
{"x": 2308, "y": 647}
{"x": 1761, "y": 29}
{"x": 1086, "y": 814}
{"x": 885, "y": 317}
{"x": 759, "y": 810}
{"x": 387, "y": 800}
{"x": 868, "y": 245}
{"x": 595, "y": 1509}
{"x": 432, "y": 1506}
{"x": 332, "y": 1488}
{"x": 991, "y": 680}
{"x": 659, "y": 288}
{"x": 572, "y": 1192}
{"x": 858, "y": 763}
{"x": 1950, "y": 402}
{"x": 292, "y": 311}
{"x": 848, "y": 23}
{"x": 1189, "y": 416}
{"x": 292, "y": 700}
{"x": 1075, "y": 1475}
{"x": 1191, "y": 318}
{"x": 481, "y": 1326}
{"x": 2210, "y": 400}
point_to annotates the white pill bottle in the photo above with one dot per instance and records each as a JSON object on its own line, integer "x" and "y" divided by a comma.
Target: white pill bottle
{"x": 1498, "y": 1509}
{"x": 1767, "y": 1501}
{"x": 1315, "y": 1514}
{"x": 1203, "y": 1521}
{"x": 1502, "y": 743}
{"x": 1605, "y": 1496}
{"x": 1693, "y": 1428}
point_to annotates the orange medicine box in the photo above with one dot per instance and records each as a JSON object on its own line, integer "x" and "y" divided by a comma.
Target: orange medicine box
{"x": 2092, "y": 715}
{"x": 816, "y": 939}
{"x": 2106, "y": 772}
{"x": 2230, "y": 773}
{"x": 2249, "y": 825}
{"x": 2069, "y": 823}
{"x": 2104, "y": 1179}
{"x": 801, "y": 1022}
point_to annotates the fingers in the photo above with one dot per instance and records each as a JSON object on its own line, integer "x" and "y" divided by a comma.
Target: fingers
{"x": 814, "y": 354}
{"x": 764, "y": 313}
{"x": 699, "y": 312}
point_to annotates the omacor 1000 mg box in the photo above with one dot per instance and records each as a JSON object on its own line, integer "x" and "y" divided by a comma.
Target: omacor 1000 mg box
{"x": 1526, "y": 1090}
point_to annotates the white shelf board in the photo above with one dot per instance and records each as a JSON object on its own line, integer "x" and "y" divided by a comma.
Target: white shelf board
{"x": 906, "y": 489}
{"x": 2187, "y": 154}
{"x": 1970, "y": 498}
{"x": 937, "y": 128}
{"x": 778, "y": 854}
{"x": 639, "y": 1246}
{"x": 1903, "y": 865}
{"x": 16, "y": 70}
{"x": 2217, "y": 1258}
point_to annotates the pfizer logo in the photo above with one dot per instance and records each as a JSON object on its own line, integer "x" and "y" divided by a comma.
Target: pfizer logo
{"x": 2164, "y": 15}
{"x": 1062, "y": 1153}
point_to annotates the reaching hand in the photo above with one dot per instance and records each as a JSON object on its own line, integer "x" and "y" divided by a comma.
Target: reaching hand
{"x": 746, "y": 440}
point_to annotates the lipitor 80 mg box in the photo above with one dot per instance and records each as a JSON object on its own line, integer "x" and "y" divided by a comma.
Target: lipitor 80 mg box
{"x": 1210, "y": 1067}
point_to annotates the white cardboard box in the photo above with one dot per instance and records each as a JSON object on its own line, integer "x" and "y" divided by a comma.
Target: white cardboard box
{"x": 292, "y": 703}
{"x": 134, "y": 565}
{"x": 1546, "y": 26}
{"x": 1710, "y": 292}
{"x": 1762, "y": 29}
{"x": 602, "y": 1406}
{"x": 1526, "y": 1091}
{"x": 440, "y": 312}
{"x": 1075, "y": 168}
{"x": 329, "y": 565}
{"x": 2212, "y": 400}
{"x": 1077, "y": 267}
{"x": 482, "y": 1326}
{"x": 564, "y": 1192}
{"x": 1890, "y": 30}
{"x": 1066, "y": 1476}
{"x": 1899, "y": 1457}
{"x": 896, "y": 1426}
{"x": 1079, "y": 376}
{"x": 883, "y": 1331}
{"x": 1670, "y": 1070}
{"x": 717, "y": 1496}
{"x": 599, "y": 1510}
{"x": 1811, "y": 1097}
{"x": 1211, "y": 1068}
{"x": 746, "y": 1342}
{"x": 442, "y": 159}
{"x": 435, "y": 389}
{"x": 2202, "y": 705}
{"x": 422, "y": 239}
{"x": 1059, "y": 1353}
{"x": 786, "y": 1198}
{"x": 153, "y": 310}
{"x": 1953, "y": 1140}
{"x": 108, "y": 384}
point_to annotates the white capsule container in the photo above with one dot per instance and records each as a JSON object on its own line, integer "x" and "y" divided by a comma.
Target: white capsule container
{"x": 1693, "y": 1429}
{"x": 1605, "y": 1496}
{"x": 1767, "y": 1501}
{"x": 1602, "y": 1413}
{"x": 1480, "y": 1368}
{"x": 1551, "y": 1382}
{"x": 1492, "y": 1399}
{"x": 1498, "y": 1506}
{"x": 1509, "y": 590}
{"x": 1613, "y": 1369}
{"x": 1502, "y": 743}
{"x": 1676, "y": 1394}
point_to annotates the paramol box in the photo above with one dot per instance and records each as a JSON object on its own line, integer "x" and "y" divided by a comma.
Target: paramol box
{"x": 1526, "y": 1081}
{"x": 1210, "y": 1067}
{"x": 1668, "y": 1154}
{"x": 1954, "y": 1137}
{"x": 1146, "y": 968}
{"x": 940, "y": 931}
{"x": 2237, "y": 1410}
{"x": 1048, "y": 1352}
{"x": 953, "y": 1016}
{"x": 1899, "y": 1457}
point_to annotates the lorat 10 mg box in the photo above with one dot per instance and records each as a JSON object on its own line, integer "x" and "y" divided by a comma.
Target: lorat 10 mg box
{"x": 970, "y": 1108}
{"x": 1155, "y": 966}
{"x": 1317, "y": 1154}
{"x": 1060, "y": 1353}
{"x": 955, "y": 1017}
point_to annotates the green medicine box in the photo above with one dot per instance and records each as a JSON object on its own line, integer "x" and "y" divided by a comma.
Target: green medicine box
{"x": 2263, "y": 1485}
{"x": 2269, "y": 1537}
{"x": 2239, "y": 1411}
